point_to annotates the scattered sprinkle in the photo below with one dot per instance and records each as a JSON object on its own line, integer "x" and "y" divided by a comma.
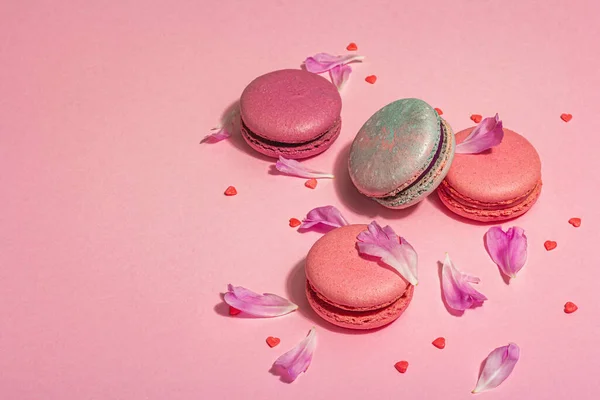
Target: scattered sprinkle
{"x": 371, "y": 79}
{"x": 230, "y": 191}
{"x": 294, "y": 222}
{"x": 273, "y": 341}
{"x": 576, "y": 222}
{"x": 440, "y": 343}
{"x": 352, "y": 47}
{"x": 476, "y": 118}
{"x": 550, "y": 245}
{"x": 566, "y": 117}
{"x": 311, "y": 183}
{"x": 233, "y": 311}
{"x": 401, "y": 366}
{"x": 570, "y": 307}
{"x": 439, "y": 111}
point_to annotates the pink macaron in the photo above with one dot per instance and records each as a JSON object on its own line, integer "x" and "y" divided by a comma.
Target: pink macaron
{"x": 495, "y": 185}
{"x": 349, "y": 290}
{"x": 291, "y": 112}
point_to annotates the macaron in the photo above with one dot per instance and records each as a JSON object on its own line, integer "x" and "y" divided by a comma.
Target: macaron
{"x": 290, "y": 112}
{"x": 401, "y": 154}
{"x": 349, "y": 290}
{"x": 501, "y": 183}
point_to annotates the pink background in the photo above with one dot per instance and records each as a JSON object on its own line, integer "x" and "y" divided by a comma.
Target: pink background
{"x": 116, "y": 238}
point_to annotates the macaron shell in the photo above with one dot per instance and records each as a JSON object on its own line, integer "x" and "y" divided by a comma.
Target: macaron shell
{"x": 290, "y": 106}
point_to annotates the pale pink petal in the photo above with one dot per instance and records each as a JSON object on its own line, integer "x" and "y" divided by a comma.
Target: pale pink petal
{"x": 323, "y": 62}
{"x": 393, "y": 250}
{"x": 507, "y": 249}
{"x": 259, "y": 305}
{"x": 218, "y": 135}
{"x": 295, "y": 168}
{"x": 291, "y": 364}
{"x": 486, "y": 135}
{"x": 456, "y": 288}
{"x": 339, "y": 75}
{"x": 326, "y": 215}
{"x": 498, "y": 366}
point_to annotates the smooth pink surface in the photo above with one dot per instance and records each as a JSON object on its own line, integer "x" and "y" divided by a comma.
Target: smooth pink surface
{"x": 116, "y": 238}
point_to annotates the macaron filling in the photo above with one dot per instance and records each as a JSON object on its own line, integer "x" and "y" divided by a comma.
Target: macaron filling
{"x": 449, "y": 192}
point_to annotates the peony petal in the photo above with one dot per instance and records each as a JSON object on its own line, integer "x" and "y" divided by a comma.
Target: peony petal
{"x": 486, "y": 135}
{"x": 507, "y": 249}
{"x": 295, "y": 168}
{"x": 323, "y": 62}
{"x": 217, "y": 136}
{"x": 259, "y": 305}
{"x": 498, "y": 366}
{"x": 393, "y": 250}
{"x": 339, "y": 75}
{"x": 326, "y": 215}
{"x": 291, "y": 364}
{"x": 456, "y": 288}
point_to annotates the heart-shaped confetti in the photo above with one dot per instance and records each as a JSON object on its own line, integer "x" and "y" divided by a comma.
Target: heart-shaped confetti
{"x": 570, "y": 307}
{"x": 273, "y": 341}
{"x": 566, "y": 117}
{"x": 576, "y": 222}
{"x": 401, "y": 366}
{"x": 352, "y": 47}
{"x": 311, "y": 183}
{"x": 476, "y": 118}
{"x": 439, "y": 111}
{"x": 233, "y": 311}
{"x": 230, "y": 191}
{"x": 440, "y": 343}
{"x": 371, "y": 79}
{"x": 550, "y": 245}
{"x": 294, "y": 222}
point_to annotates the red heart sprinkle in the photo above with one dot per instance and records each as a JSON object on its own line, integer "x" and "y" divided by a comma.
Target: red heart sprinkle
{"x": 230, "y": 191}
{"x": 311, "y": 183}
{"x": 550, "y": 245}
{"x": 476, "y": 118}
{"x": 294, "y": 222}
{"x": 233, "y": 311}
{"x": 352, "y": 47}
{"x": 439, "y": 111}
{"x": 566, "y": 117}
{"x": 273, "y": 341}
{"x": 570, "y": 307}
{"x": 440, "y": 343}
{"x": 576, "y": 222}
{"x": 401, "y": 366}
{"x": 371, "y": 79}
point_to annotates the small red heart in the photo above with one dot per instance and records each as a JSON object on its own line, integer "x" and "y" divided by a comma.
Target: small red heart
{"x": 440, "y": 343}
{"x": 566, "y": 117}
{"x": 576, "y": 222}
{"x": 371, "y": 79}
{"x": 294, "y": 222}
{"x": 439, "y": 111}
{"x": 273, "y": 341}
{"x": 476, "y": 118}
{"x": 550, "y": 245}
{"x": 401, "y": 366}
{"x": 352, "y": 47}
{"x": 230, "y": 191}
{"x": 233, "y": 311}
{"x": 570, "y": 307}
{"x": 311, "y": 183}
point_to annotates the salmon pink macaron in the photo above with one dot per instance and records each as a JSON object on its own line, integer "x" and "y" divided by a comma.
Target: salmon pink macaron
{"x": 500, "y": 183}
{"x": 350, "y": 290}
{"x": 290, "y": 112}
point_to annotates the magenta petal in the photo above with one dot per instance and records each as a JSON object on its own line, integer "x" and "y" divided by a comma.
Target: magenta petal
{"x": 326, "y": 215}
{"x": 295, "y": 168}
{"x": 259, "y": 305}
{"x": 298, "y": 359}
{"x": 498, "y": 366}
{"x": 323, "y": 62}
{"x": 217, "y": 136}
{"x": 486, "y": 135}
{"x": 507, "y": 249}
{"x": 339, "y": 75}
{"x": 456, "y": 288}
{"x": 393, "y": 250}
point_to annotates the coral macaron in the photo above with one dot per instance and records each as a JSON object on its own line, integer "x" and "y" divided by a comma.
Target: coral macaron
{"x": 292, "y": 113}
{"x": 349, "y": 290}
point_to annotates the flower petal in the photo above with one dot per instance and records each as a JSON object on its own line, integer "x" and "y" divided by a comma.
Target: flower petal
{"x": 323, "y": 62}
{"x": 498, "y": 366}
{"x": 486, "y": 135}
{"x": 392, "y": 249}
{"x": 218, "y": 135}
{"x": 259, "y": 305}
{"x": 291, "y": 364}
{"x": 456, "y": 288}
{"x": 339, "y": 75}
{"x": 507, "y": 249}
{"x": 326, "y": 215}
{"x": 295, "y": 168}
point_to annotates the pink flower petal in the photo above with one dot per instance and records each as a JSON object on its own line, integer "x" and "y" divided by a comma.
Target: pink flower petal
{"x": 291, "y": 364}
{"x": 265, "y": 305}
{"x": 323, "y": 62}
{"x": 456, "y": 288}
{"x": 217, "y": 136}
{"x": 295, "y": 168}
{"x": 507, "y": 249}
{"x": 392, "y": 249}
{"x": 339, "y": 75}
{"x": 326, "y": 215}
{"x": 486, "y": 135}
{"x": 498, "y": 366}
